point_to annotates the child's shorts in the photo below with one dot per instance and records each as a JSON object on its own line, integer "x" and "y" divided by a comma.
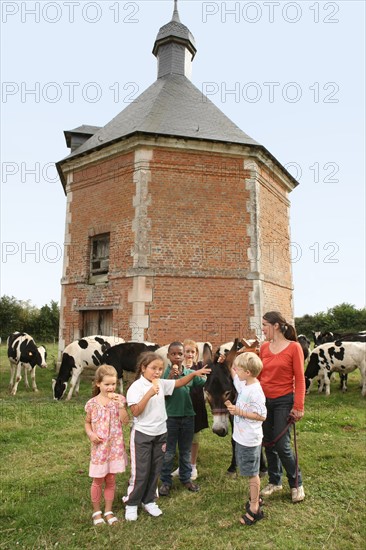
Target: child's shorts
{"x": 248, "y": 459}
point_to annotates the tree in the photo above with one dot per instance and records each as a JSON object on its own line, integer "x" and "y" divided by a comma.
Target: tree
{"x": 10, "y": 316}
{"x": 22, "y": 316}
{"x": 341, "y": 318}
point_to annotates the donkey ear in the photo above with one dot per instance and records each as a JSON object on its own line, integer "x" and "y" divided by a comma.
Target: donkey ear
{"x": 232, "y": 353}
{"x": 206, "y": 354}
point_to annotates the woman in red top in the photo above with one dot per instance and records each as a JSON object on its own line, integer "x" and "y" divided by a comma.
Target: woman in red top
{"x": 283, "y": 383}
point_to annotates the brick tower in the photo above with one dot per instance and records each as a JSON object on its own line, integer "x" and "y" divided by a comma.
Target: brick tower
{"x": 177, "y": 222}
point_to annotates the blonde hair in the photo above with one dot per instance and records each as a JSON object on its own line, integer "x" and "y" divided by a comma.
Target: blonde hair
{"x": 249, "y": 361}
{"x": 100, "y": 373}
{"x": 194, "y": 345}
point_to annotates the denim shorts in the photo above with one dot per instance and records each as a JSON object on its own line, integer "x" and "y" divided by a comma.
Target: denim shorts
{"x": 248, "y": 459}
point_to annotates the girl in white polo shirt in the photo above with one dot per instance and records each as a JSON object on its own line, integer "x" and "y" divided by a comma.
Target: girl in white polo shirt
{"x": 146, "y": 399}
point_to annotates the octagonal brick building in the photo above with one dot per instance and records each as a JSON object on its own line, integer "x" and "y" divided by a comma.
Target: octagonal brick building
{"x": 177, "y": 222}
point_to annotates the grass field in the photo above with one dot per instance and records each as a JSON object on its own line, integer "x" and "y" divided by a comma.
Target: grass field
{"x": 45, "y": 485}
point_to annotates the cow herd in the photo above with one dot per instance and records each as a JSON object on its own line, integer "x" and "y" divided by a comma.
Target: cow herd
{"x": 333, "y": 352}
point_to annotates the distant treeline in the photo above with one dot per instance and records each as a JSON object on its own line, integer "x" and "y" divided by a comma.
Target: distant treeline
{"x": 17, "y": 315}
{"x": 343, "y": 318}
{"x": 43, "y": 323}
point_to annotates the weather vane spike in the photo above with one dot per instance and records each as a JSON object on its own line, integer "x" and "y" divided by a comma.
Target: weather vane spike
{"x": 175, "y": 12}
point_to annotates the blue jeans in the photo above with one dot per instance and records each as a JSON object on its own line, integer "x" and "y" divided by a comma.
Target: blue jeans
{"x": 281, "y": 453}
{"x": 180, "y": 432}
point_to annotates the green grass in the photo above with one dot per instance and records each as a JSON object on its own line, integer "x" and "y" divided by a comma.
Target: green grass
{"x": 45, "y": 484}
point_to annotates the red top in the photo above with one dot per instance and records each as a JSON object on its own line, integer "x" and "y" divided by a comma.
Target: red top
{"x": 283, "y": 373}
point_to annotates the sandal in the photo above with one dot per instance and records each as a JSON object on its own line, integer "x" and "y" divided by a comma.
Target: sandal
{"x": 261, "y": 503}
{"x": 98, "y": 521}
{"x": 249, "y": 518}
{"x": 111, "y": 520}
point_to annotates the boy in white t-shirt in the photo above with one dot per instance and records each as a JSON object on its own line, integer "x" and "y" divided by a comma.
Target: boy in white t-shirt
{"x": 249, "y": 413}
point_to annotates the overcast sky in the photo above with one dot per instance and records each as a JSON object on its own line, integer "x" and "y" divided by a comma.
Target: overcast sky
{"x": 289, "y": 74}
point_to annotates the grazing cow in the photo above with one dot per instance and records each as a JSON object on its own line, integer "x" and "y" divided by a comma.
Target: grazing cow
{"x": 342, "y": 357}
{"x": 123, "y": 357}
{"x": 22, "y": 351}
{"x": 305, "y": 345}
{"x": 163, "y": 352}
{"x": 324, "y": 337}
{"x": 86, "y": 352}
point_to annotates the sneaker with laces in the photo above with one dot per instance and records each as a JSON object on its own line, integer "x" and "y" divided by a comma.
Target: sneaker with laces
{"x": 175, "y": 473}
{"x": 152, "y": 508}
{"x": 269, "y": 489}
{"x": 164, "y": 490}
{"x": 194, "y": 473}
{"x": 131, "y": 513}
{"x": 298, "y": 494}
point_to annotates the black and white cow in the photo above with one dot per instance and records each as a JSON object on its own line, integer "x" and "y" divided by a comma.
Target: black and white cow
{"x": 342, "y": 357}
{"x": 328, "y": 336}
{"x": 305, "y": 345}
{"x": 22, "y": 351}
{"x": 123, "y": 357}
{"x": 86, "y": 352}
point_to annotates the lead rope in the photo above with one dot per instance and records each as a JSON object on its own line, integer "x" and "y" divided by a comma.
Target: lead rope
{"x": 296, "y": 457}
{"x": 290, "y": 422}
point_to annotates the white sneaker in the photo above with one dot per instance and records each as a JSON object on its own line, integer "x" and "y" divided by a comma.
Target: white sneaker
{"x": 269, "y": 489}
{"x": 175, "y": 473}
{"x": 298, "y": 494}
{"x": 194, "y": 473}
{"x": 152, "y": 508}
{"x": 131, "y": 513}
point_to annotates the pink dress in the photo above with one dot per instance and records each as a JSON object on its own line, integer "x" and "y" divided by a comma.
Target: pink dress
{"x": 109, "y": 456}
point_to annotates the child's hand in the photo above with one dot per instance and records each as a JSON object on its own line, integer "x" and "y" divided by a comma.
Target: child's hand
{"x": 155, "y": 385}
{"x": 203, "y": 371}
{"x": 94, "y": 438}
{"x": 114, "y": 396}
{"x": 230, "y": 407}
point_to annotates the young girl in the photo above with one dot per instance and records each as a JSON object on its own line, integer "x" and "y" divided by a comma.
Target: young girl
{"x": 146, "y": 398}
{"x": 191, "y": 352}
{"x": 104, "y": 414}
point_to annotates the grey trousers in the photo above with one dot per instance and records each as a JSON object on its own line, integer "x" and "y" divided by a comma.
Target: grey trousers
{"x": 147, "y": 454}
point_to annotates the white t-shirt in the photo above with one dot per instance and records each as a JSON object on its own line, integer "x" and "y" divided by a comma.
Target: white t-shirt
{"x": 152, "y": 420}
{"x": 250, "y": 399}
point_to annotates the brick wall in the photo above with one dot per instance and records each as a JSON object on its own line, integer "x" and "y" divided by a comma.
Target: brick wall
{"x": 178, "y": 218}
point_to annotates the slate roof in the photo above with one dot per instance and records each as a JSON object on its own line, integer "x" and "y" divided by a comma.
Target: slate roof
{"x": 172, "y": 106}
{"x": 83, "y": 130}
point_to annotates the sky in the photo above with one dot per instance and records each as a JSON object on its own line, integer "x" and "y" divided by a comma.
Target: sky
{"x": 289, "y": 74}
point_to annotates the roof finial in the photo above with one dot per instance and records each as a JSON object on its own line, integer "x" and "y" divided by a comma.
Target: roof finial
{"x": 175, "y": 16}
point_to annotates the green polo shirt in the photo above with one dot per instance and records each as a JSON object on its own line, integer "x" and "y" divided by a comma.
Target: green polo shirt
{"x": 180, "y": 402}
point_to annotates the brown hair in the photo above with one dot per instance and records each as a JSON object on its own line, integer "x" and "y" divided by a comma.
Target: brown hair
{"x": 144, "y": 359}
{"x": 287, "y": 330}
{"x": 100, "y": 373}
{"x": 249, "y": 361}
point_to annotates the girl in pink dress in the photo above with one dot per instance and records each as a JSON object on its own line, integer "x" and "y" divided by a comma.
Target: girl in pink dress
{"x": 105, "y": 414}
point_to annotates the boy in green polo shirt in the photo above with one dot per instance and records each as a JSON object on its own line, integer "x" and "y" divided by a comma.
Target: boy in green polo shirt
{"x": 180, "y": 423}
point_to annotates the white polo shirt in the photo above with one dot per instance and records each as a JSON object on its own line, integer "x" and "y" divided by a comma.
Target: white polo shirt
{"x": 152, "y": 420}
